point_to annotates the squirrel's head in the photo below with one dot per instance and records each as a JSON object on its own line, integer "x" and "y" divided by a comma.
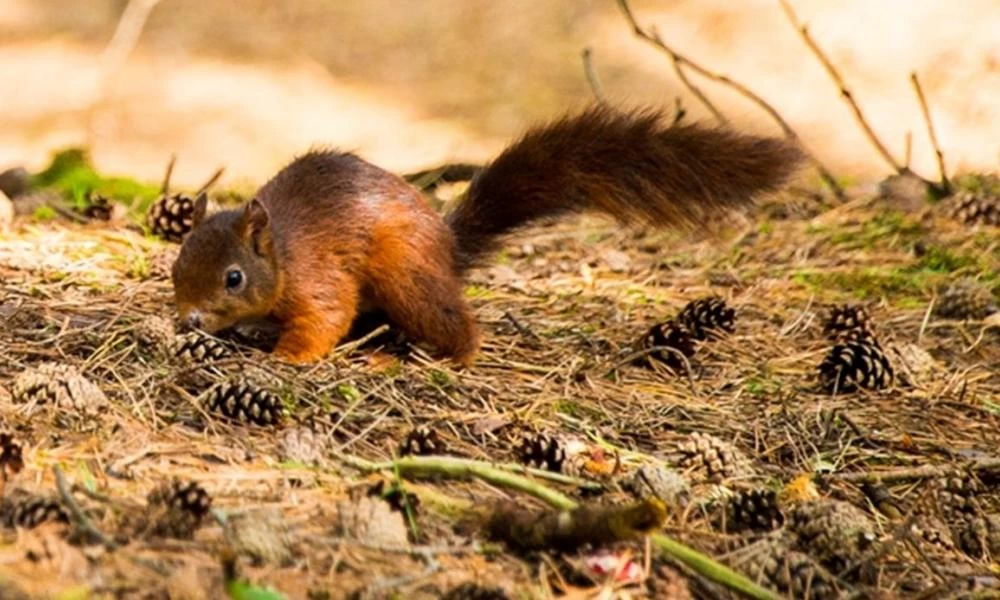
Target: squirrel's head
{"x": 227, "y": 269}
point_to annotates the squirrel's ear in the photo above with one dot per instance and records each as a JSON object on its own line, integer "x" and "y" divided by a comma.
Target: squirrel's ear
{"x": 256, "y": 226}
{"x": 200, "y": 208}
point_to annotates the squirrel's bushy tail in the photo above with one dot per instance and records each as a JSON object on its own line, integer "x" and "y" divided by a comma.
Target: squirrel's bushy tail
{"x": 629, "y": 165}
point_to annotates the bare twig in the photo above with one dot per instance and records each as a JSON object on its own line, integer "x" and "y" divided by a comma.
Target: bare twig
{"x": 592, "y": 78}
{"x": 944, "y": 184}
{"x": 839, "y": 81}
{"x": 211, "y": 180}
{"x": 653, "y": 38}
{"x": 680, "y": 60}
{"x": 922, "y": 472}
{"x": 907, "y": 156}
{"x": 123, "y": 42}
{"x": 165, "y": 187}
{"x": 679, "y": 111}
{"x": 80, "y": 520}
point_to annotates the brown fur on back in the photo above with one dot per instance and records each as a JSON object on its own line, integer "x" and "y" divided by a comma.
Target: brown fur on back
{"x": 628, "y": 165}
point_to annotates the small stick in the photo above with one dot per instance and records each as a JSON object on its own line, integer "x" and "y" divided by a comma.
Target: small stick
{"x": 166, "y": 176}
{"x": 654, "y": 38}
{"x": 81, "y": 520}
{"x": 677, "y": 59}
{"x": 592, "y": 78}
{"x": 846, "y": 93}
{"x": 211, "y": 181}
{"x": 679, "y": 111}
{"x": 909, "y": 149}
{"x": 922, "y": 472}
{"x": 945, "y": 185}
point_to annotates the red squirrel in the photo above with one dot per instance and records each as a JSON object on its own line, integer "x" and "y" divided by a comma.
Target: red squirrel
{"x": 332, "y": 236}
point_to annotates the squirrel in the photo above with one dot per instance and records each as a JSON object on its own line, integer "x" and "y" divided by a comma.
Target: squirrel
{"x": 332, "y": 237}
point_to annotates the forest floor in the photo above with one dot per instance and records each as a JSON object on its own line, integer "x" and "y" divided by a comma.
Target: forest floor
{"x": 297, "y": 507}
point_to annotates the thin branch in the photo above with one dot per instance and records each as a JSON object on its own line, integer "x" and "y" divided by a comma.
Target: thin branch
{"x": 680, "y": 60}
{"x": 592, "y": 78}
{"x": 166, "y": 176}
{"x": 907, "y": 156}
{"x": 211, "y": 181}
{"x": 82, "y": 522}
{"x": 679, "y": 111}
{"x": 464, "y": 468}
{"x": 459, "y": 463}
{"x": 945, "y": 184}
{"x": 922, "y": 472}
{"x": 846, "y": 93}
{"x": 120, "y": 47}
{"x": 654, "y": 39}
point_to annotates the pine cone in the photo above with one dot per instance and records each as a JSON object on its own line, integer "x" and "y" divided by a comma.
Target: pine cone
{"x": 755, "y": 510}
{"x": 161, "y": 263}
{"x": 98, "y": 208}
{"x": 171, "y": 217}
{"x": 154, "y": 333}
{"x": 60, "y": 387}
{"x": 661, "y": 482}
{"x": 197, "y": 347}
{"x": 855, "y": 365}
{"x": 27, "y": 510}
{"x": 176, "y": 509}
{"x": 261, "y": 535}
{"x": 792, "y": 573}
{"x": 422, "y": 441}
{"x": 974, "y": 207}
{"x": 966, "y": 299}
{"x": 668, "y": 334}
{"x": 245, "y": 402}
{"x": 707, "y": 316}
{"x": 972, "y": 535}
{"x": 474, "y": 591}
{"x": 541, "y": 451}
{"x": 11, "y": 456}
{"x": 714, "y": 458}
{"x": 834, "y": 532}
{"x": 933, "y": 532}
{"x": 849, "y": 323}
{"x": 957, "y": 497}
{"x": 302, "y": 445}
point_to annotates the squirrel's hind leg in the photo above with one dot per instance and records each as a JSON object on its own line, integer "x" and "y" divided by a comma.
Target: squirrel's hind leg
{"x": 427, "y": 304}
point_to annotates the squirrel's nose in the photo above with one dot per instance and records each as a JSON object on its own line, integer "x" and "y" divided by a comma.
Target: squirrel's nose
{"x": 193, "y": 320}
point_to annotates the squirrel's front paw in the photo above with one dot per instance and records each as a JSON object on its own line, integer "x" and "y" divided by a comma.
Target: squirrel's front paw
{"x": 297, "y": 357}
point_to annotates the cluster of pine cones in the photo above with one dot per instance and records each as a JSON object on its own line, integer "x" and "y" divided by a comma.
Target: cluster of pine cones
{"x": 672, "y": 342}
{"x": 856, "y": 360}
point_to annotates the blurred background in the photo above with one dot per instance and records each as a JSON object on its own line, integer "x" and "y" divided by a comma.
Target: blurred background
{"x": 413, "y": 83}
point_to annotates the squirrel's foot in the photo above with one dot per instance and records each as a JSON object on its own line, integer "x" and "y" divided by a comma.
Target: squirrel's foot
{"x": 301, "y": 344}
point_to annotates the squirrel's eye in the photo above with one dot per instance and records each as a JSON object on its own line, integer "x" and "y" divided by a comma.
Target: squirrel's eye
{"x": 234, "y": 277}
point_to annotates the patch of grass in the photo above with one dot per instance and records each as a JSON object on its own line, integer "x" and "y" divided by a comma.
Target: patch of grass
{"x": 475, "y": 291}
{"x": 438, "y": 378}
{"x": 45, "y": 213}
{"x": 348, "y": 392}
{"x": 761, "y": 386}
{"x": 868, "y": 283}
{"x": 72, "y": 176}
{"x": 943, "y": 260}
{"x": 884, "y": 229}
